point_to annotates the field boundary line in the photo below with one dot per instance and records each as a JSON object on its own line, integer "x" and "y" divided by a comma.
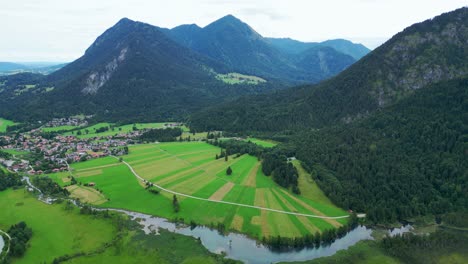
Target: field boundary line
{"x": 230, "y": 203}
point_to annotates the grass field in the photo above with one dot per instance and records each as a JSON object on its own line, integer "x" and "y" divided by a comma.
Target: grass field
{"x": 54, "y": 229}
{"x": 89, "y": 132}
{"x": 15, "y": 152}
{"x": 190, "y": 168}
{"x": 4, "y": 123}
{"x": 237, "y": 78}
{"x": 58, "y": 128}
{"x": 263, "y": 142}
{"x": 57, "y": 232}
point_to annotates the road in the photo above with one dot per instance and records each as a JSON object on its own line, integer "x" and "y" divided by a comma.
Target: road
{"x": 230, "y": 203}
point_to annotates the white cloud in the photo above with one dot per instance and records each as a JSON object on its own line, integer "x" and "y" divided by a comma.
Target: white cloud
{"x": 57, "y": 30}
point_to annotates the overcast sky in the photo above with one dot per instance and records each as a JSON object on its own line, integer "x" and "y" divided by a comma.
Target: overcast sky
{"x": 61, "y": 30}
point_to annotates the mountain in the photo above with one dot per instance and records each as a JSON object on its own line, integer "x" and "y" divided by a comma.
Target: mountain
{"x": 291, "y": 46}
{"x": 132, "y": 71}
{"x": 407, "y": 159}
{"x": 388, "y": 136}
{"x": 425, "y": 53}
{"x": 243, "y": 50}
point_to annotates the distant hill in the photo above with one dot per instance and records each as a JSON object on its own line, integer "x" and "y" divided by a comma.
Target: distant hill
{"x": 242, "y": 49}
{"x": 425, "y": 53}
{"x": 8, "y": 68}
{"x": 291, "y": 46}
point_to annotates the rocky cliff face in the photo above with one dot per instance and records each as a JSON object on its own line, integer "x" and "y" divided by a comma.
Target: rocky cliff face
{"x": 97, "y": 79}
{"x": 428, "y": 52}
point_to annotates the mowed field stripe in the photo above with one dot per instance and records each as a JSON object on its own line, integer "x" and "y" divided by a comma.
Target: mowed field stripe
{"x": 251, "y": 179}
{"x": 263, "y": 218}
{"x": 315, "y": 211}
{"x": 284, "y": 223}
{"x": 304, "y": 221}
{"x": 219, "y": 194}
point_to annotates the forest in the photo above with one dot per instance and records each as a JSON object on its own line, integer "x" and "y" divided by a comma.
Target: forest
{"x": 407, "y": 160}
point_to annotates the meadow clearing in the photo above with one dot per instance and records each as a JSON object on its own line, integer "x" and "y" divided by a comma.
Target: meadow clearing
{"x": 191, "y": 168}
{"x": 262, "y": 142}
{"x": 91, "y": 131}
{"x": 54, "y": 228}
{"x": 4, "y": 123}
{"x": 58, "y": 231}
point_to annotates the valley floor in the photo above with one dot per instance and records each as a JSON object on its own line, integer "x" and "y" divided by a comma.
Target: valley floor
{"x": 190, "y": 168}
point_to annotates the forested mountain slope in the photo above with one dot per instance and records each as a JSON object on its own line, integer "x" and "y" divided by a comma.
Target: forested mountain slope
{"x": 409, "y": 159}
{"x": 242, "y": 49}
{"x": 425, "y": 53}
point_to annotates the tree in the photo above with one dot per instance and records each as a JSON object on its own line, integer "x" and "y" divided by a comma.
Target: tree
{"x": 229, "y": 171}
{"x": 226, "y": 158}
{"x": 175, "y": 204}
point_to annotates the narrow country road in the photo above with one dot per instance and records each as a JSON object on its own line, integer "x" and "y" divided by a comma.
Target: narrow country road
{"x": 230, "y": 203}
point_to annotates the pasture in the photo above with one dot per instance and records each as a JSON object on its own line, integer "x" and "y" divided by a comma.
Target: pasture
{"x": 92, "y": 131}
{"x": 58, "y": 231}
{"x": 54, "y": 229}
{"x": 262, "y": 142}
{"x": 190, "y": 168}
{"x": 4, "y": 123}
{"x": 58, "y": 128}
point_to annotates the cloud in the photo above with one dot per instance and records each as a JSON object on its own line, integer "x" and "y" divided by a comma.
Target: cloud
{"x": 270, "y": 13}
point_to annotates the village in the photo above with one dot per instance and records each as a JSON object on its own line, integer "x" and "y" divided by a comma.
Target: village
{"x": 35, "y": 153}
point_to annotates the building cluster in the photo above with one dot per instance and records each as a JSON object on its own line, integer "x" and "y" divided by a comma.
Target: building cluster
{"x": 42, "y": 155}
{"x": 69, "y": 121}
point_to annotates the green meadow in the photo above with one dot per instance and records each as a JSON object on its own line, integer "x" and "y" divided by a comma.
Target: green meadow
{"x": 58, "y": 128}
{"x": 54, "y": 229}
{"x": 4, "y": 123}
{"x": 90, "y": 132}
{"x": 263, "y": 142}
{"x": 191, "y": 168}
{"x": 58, "y": 231}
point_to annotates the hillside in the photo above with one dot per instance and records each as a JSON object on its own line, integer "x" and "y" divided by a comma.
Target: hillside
{"x": 134, "y": 71}
{"x": 425, "y": 53}
{"x": 242, "y": 49}
{"x": 409, "y": 159}
{"x": 291, "y": 46}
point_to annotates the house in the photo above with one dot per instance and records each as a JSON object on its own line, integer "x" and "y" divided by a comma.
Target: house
{"x": 91, "y": 184}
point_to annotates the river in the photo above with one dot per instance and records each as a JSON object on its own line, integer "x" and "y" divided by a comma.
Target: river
{"x": 243, "y": 248}
{"x": 2, "y": 244}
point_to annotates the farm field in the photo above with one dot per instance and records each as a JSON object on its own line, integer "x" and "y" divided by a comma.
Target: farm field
{"x": 190, "y": 168}
{"x": 4, "y": 123}
{"x": 89, "y": 132}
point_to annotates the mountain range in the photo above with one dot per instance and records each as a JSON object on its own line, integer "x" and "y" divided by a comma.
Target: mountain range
{"x": 425, "y": 53}
{"x": 8, "y": 68}
{"x": 388, "y": 136}
{"x": 144, "y": 72}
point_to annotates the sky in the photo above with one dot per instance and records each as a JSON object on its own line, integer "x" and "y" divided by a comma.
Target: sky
{"x": 61, "y": 30}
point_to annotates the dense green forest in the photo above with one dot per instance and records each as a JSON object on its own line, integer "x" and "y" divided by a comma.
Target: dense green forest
{"x": 409, "y": 159}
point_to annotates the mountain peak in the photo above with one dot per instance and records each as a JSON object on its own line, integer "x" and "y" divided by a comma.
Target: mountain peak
{"x": 124, "y": 21}
{"x": 229, "y": 20}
